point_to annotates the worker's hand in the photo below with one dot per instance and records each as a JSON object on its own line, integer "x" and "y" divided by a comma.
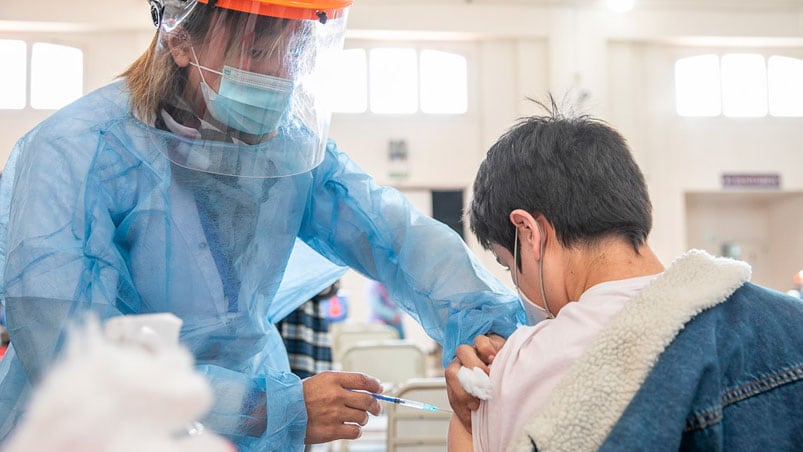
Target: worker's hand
{"x": 333, "y": 411}
{"x": 487, "y": 348}
{"x": 480, "y": 355}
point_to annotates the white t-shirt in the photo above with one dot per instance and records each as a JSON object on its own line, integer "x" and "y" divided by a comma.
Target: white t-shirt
{"x": 535, "y": 358}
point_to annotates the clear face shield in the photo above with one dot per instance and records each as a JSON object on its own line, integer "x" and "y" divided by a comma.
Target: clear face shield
{"x": 237, "y": 85}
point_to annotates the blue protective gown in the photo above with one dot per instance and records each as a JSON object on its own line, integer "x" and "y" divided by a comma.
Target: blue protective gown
{"x": 100, "y": 219}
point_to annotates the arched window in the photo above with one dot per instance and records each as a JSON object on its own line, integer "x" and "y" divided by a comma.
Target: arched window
{"x": 393, "y": 80}
{"x": 399, "y": 80}
{"x": 347, "y": 82}
{"x": 785, "y": 83}
{"x": 57, "y": 75}
{"x": 744, "y": 85}
{"x": 13, "y": 77}
{"x": 444, "y": 78}
{"x": 739, "y": 85}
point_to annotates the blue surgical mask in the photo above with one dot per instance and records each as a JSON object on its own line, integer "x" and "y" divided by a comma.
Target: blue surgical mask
{"x": 247, "y": 101}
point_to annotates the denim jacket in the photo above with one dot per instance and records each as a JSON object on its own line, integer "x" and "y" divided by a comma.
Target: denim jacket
{"x": 701, "y": 359}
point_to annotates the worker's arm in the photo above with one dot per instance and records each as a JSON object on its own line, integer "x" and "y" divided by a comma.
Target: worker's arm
{"x": 426, "y": 267}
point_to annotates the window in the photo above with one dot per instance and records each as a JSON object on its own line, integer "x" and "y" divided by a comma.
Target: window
{"x": 739, "y": 85}
{"x": 56, "y": 75}
{"x": 347, "y": 81}
{"x": 785, "y": 82}
{"x": 744, "y": 85}
{"x": 399, "y": 81}
{"x": 443, "y": 82}
{"x": 697, "y": 91}
{"x": 13, "y": 77}
{"x": 393, "y": 75}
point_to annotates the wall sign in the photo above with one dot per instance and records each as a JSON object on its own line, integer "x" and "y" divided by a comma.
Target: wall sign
{"x": 399, "y": 166}
{"x": 751, "y": 180}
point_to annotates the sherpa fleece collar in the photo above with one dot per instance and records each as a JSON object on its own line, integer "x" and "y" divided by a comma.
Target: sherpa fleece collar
{"x": 592, "y": 396}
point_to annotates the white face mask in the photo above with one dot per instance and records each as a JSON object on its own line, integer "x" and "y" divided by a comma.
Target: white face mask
{"x": 534, "y": 312}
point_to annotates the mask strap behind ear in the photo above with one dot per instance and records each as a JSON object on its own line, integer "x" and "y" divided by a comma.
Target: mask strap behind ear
{"x": 541, "y": 270}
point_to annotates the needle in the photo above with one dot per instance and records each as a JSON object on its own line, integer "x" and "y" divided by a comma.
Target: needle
{"x": 404, "y": 402}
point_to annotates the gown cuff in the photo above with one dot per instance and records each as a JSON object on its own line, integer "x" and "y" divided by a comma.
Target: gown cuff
{"x": 286, "y": 411}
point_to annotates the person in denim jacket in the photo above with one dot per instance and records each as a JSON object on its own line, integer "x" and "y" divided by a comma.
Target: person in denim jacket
{"x": 629, "y": 355}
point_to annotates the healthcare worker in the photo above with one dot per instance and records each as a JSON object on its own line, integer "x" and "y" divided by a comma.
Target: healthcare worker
{"x": 185, "y": 187}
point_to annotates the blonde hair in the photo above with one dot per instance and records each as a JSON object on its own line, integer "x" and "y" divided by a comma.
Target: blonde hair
{"x": 150, "y": 79}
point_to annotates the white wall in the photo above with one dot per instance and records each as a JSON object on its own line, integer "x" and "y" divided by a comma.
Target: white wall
{"x": 786, "y": 232}
{"x": 714, "y": 220}
{"x": 765, "y": 226}
{"x": 685, "y": 155}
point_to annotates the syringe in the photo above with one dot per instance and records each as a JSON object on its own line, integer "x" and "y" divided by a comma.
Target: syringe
{"x": 405, "y": 402}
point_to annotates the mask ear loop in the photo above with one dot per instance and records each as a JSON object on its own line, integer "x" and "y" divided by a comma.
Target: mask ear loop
{"x": 516, "y": 265}
{"x": 545, "y": 309}
{"x": 197, "y": 64}
{"x": 541, "y": 272}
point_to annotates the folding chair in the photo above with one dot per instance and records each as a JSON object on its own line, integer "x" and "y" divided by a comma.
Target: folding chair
{"x": 347, "y": 335}
{"x": 392, "y": 361}
{"x": 410, "y": 429}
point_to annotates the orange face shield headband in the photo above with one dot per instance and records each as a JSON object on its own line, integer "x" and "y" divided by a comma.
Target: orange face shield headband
{"x": 320, "y": 10}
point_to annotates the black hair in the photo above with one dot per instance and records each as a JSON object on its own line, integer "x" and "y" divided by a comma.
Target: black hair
{"x": 577, "y": 172}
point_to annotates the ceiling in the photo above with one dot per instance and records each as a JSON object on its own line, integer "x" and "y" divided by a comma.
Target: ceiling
{"x": 791, "y": 5}
{"x": 60, "y": 15}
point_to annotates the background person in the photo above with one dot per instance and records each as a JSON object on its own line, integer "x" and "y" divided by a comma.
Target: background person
{"x": 306, "y": 335}
{"x": 797, "y": 285}
{"x": 4, "y": 341}
{"x": 185, "y": 186}
{"x": 629, "y": 356}
{"x": 383, "y": 309}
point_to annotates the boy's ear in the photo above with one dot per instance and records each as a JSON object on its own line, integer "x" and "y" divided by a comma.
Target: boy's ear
{"x": 530, "y": 232}
{"x": 525, "y": 223}
{"x": 519, "y": 218}
{"x": 179, "y": 46}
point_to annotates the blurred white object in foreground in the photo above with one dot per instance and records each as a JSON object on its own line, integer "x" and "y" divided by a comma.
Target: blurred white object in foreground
{"x": 151, "y": 331}
{"x": 131, "y": 390}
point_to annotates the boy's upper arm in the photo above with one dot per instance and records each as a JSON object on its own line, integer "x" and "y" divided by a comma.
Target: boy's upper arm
{"x": 460, "y": 438}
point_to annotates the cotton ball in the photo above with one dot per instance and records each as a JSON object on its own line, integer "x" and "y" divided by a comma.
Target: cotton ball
{"x": 475, "y": 382}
